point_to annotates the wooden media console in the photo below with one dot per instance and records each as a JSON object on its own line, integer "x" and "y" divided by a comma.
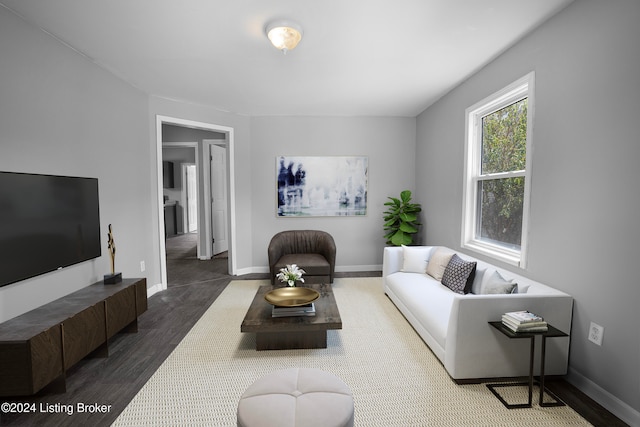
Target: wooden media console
{"x": 38, "y": 347}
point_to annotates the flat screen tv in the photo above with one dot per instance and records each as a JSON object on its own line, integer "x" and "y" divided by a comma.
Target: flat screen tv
{"x": 46, "y": 223}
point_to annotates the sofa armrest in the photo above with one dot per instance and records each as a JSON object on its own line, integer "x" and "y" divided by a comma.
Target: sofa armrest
{"x": 476, "y": 350}
{"x": 392, "y": 260}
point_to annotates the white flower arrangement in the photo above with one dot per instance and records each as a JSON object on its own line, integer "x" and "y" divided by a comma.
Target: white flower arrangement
{"x": 291, "y": 274}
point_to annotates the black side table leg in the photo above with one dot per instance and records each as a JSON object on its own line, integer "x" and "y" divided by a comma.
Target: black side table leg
{"x": 556, "y": 401}
{"x": 492, "y": 387}
{"x": 531, "y": 357}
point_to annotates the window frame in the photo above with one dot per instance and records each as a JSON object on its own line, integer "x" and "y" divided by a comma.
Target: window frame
{"x": 514, "y": 92}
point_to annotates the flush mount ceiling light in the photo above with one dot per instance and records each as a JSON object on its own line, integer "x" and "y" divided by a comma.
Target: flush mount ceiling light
{"x": 284, "y": 35}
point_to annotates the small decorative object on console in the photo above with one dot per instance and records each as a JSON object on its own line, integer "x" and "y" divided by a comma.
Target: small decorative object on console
{"x": 113, "y": 278}
{"x": 291, "y": 274}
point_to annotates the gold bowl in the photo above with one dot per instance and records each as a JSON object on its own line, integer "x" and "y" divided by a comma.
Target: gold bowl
{"x": 291, "y": 296}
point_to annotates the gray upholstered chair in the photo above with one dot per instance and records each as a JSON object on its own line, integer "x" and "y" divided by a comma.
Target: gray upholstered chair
{"x": 312, "y": 250}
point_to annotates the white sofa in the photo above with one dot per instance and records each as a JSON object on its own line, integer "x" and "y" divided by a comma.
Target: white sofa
{"x": 455, "y": 326}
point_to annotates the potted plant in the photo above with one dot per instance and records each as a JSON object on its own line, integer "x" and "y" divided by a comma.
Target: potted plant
{"x": 401, "y": 219}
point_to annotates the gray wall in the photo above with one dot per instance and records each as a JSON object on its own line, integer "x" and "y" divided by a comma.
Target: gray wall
{"x": 584, "y": 236}
{"x": 60, "y": 114}
{"x": 389, "y": 144}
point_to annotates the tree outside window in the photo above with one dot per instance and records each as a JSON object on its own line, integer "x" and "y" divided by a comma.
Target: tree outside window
{"x": 497, "y": 173}
{"x": 504, "y": 149}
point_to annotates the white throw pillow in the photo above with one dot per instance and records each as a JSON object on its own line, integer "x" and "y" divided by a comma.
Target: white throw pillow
{"x": 438, "y": 262}
{"x": 415, "y": 259}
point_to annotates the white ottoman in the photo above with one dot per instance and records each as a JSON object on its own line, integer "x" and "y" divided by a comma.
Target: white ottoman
{"x": 297, "y": 397}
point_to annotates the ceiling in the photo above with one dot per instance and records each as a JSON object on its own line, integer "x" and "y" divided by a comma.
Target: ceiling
{"x": 356, "y": 58}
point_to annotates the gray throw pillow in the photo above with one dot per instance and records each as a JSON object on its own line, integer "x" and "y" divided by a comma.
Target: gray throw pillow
{"x": 496, "y": 284}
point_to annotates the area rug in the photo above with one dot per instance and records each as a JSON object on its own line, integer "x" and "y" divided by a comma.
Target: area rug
{"x": 395, "y": 379}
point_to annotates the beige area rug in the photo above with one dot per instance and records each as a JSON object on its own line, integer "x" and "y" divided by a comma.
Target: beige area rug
{"x": 394, "y": 377}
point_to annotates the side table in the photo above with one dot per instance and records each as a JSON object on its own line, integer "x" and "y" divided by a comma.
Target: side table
{"x": 550, "y": 333}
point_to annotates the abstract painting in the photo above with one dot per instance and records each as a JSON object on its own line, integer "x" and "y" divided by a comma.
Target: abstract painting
{"x": 321, "y": 186}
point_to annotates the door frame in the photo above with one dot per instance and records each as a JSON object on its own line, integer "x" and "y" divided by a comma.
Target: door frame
{"x": 231, "y": 204}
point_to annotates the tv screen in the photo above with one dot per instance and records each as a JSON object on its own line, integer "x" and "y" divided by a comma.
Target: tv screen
{"x": 46, "y": 223}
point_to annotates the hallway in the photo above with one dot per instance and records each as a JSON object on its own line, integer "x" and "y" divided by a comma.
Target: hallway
{"x": 184, "y": 267}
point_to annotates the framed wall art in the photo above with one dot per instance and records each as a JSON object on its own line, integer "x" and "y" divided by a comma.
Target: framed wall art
{"x": 321, "y": 186}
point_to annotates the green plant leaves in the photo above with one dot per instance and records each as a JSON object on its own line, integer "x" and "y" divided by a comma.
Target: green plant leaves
{"x": 408, "y": 217}
{"x": 393, "y": 202}
{"x": 408, "y": 228}
{"x": 400, "y": 238}
{"x": 401, "y": 219}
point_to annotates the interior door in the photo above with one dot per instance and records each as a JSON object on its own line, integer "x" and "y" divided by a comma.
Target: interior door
{"x": 192, "y": 198}
{"x": 219, "y": 198}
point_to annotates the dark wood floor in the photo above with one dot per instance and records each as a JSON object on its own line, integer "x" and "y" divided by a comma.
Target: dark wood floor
{"x": 133, "y": 358}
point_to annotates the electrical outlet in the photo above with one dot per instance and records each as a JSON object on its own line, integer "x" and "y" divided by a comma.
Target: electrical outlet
{"x": 142, "y": 266}
{"x": 595, "y": 333}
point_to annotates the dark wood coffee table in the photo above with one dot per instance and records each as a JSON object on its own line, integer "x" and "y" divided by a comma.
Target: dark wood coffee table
{"x": 280, "y": 333}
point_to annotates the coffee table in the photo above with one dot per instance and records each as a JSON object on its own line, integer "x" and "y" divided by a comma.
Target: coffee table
{"x": 280, "y": 333}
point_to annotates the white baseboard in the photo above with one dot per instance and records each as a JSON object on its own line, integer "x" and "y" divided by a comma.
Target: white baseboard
{"x": 154, "y": 289}
{"x": 250, "y": 270}
{"x": 356, "y": 268}
{"x": 611, "y": 403}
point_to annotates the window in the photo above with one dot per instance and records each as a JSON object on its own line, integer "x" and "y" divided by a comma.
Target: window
{"x": 497, "y": 173}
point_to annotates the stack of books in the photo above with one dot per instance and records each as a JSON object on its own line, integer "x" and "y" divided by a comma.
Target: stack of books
{"x": 524, "y": 321}
{"x": 304, "y": 310}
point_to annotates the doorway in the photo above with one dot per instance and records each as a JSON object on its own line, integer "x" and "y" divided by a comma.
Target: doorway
{"x": 182, "y": 195}
{"x": 208, "y": 173}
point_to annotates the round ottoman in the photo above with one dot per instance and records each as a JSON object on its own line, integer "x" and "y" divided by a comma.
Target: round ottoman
{"x": 296, "y": 397}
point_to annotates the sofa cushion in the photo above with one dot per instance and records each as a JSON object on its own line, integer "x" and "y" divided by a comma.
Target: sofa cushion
{"x": 494, "y": 283}
{"x": 438, "y": 262}
{"x": 426, "y": 299}
{"x": 414, "y": 259}
{"x": 312, "y": 264}
{"x": 459, "y": 274}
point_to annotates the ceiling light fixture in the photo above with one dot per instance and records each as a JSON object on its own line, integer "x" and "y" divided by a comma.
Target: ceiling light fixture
{"x": 284, "y": 36}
